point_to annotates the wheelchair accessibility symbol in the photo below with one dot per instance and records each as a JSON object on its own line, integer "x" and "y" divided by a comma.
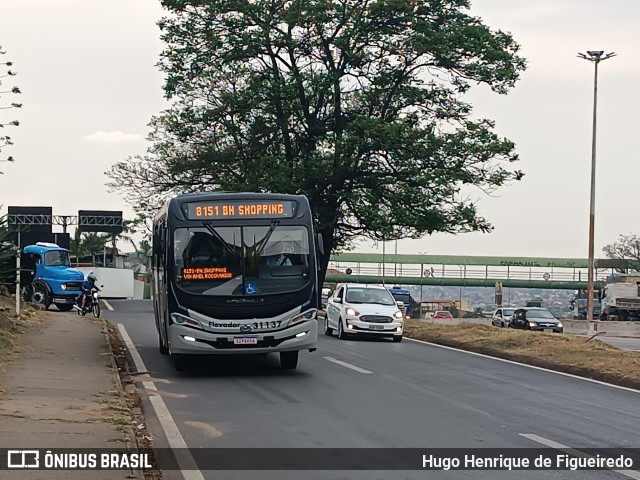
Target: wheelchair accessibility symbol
{"x": 250, "y": 288}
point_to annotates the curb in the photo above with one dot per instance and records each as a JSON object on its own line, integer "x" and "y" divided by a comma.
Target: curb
{"x": 122, "y": 397}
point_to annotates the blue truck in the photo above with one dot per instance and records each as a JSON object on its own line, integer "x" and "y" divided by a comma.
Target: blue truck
{"x": 402, "y": 295}
{"x": 579, "y": 306}
{"x": 47, "y": 276}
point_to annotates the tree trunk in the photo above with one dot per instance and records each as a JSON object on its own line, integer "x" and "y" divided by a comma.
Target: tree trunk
{"x": 323, "y": 260}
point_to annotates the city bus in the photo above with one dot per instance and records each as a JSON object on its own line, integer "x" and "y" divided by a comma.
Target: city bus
{"x": 235, "y": 273}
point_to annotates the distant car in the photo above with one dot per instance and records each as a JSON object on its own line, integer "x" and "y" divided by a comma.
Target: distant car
{"x": 446, "y": 314}
{"x": 535, "y": 318}
{"x": 363, "y": 310}
{"x": 501, "y": 317}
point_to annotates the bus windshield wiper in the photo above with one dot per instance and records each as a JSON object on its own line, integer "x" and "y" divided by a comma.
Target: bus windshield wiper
{"x": 213, "y": 232}
{"x": 263, "y": 243}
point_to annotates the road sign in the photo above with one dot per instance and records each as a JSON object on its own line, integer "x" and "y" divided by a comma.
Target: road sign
{"x": 546, "y": 276}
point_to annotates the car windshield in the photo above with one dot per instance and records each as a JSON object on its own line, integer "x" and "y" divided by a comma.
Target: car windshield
{"x": 241, "y": 261}
{"x": 369, "y": 295}
{"x": 57, "y": 258}
{"x": 507, "y": 312}
{"x": 540, "y": 314}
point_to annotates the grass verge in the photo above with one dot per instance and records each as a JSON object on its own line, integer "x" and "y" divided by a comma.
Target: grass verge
{"x": 565, "y": 353}
{"x": 12, "y": 328}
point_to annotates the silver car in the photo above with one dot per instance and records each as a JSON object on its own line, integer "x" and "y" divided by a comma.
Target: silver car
{"x": 356, "y": 309}
{"x": 501, "y": 317}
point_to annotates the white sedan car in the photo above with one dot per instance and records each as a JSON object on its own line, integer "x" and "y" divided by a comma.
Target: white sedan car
{"x": 363, "y": 309}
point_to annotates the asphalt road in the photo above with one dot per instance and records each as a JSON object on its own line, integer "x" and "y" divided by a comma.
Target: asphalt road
{"x": 632, "y": 344}
{"x": 380, "y": 394}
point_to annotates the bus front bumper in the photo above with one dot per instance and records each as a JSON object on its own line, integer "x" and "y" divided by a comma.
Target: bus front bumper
{"x": 185, "y": 340}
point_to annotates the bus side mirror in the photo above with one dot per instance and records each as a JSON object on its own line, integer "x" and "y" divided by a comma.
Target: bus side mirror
{"x": 320, "y": 244}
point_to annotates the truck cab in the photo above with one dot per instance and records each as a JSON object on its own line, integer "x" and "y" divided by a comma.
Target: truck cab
{"x": 48, "y": 273}
{"x": 409, "y": 304}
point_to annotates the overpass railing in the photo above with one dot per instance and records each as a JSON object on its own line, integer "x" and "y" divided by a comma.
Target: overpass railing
{"x": 470, "y": 272}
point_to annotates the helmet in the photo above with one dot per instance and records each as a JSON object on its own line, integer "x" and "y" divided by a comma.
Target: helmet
{"x": 91, "y": 277}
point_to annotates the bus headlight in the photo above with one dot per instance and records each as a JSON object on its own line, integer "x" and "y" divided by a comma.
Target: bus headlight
{"x": 187, "y": 321}
{"x": 308, "y": 315}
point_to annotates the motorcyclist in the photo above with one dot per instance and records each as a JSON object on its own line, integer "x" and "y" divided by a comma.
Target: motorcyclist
{"x": 88, "y": 286}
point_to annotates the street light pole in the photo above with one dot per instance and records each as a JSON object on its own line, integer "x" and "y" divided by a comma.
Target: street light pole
{"x": 595, "y": 56}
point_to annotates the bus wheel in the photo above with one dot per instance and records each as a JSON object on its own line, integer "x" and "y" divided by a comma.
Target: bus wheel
{"x": 163, "y": 350}
{"x": 179, "y": 362}
{"x": 289, "y": 360}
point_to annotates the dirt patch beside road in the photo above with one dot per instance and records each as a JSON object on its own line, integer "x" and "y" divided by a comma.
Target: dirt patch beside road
{"x": 564, "y": 353}
{"x": 11, "y": 328}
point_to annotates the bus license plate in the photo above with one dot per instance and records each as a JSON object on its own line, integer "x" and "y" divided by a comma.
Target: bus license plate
{"x": 376, "y": 327}
{"x": 548, "y": 330}
{"x": 245, "y": 341}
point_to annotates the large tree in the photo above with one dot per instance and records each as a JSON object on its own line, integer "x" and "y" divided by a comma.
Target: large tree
{"x": 5, "y": 140}
{"x": 627, "y": 250}
{"x": 357, "y": 104}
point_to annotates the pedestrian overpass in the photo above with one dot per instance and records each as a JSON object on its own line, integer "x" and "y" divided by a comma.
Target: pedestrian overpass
{"x": 466, "y": 271}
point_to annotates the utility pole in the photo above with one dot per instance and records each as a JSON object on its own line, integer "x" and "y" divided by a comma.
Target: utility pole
{"x": 18, "y": 280}
{"x": 595, "y": 56}
{"x": 384, "y": 244}
{"x": 395, "y": 264}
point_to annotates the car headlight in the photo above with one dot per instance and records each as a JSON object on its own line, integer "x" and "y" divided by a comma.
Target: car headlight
{"x": 63, "y": 286}
{"x": 398, "y": 314}
{"x": 533, "y": 324}
{"x": 560, "y": 325}
{"x": 352, "y": 312}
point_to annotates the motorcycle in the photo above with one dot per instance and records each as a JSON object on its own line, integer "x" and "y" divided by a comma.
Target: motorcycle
{"x": 91, "y": 305}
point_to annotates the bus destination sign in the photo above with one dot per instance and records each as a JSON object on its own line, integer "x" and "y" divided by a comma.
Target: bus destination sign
{"x": 239, "y": 209}
{"x": 206, "y": 273}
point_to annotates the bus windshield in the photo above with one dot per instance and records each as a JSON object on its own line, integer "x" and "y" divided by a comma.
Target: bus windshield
{"x": 241, "y": 261}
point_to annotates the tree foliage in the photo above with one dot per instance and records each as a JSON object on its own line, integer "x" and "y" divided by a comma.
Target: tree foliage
{"x": 357, "y": 104}
{"x": 626, "y": 247}
{"x": 88, "y": 243}
{"x": 5, "y": 140}
{"x": 7, "y": 254}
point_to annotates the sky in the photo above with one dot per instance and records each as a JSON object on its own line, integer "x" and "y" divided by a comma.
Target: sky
{"x": 90, "y": 85}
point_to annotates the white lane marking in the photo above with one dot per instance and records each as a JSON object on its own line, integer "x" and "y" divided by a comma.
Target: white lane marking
{"x": 107, "y": 304}
{"x": 525, "y": 365}
{"x": 576, "y": 453}
{"x": 348, "y": 365}
{"x": 171, "y": 431}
